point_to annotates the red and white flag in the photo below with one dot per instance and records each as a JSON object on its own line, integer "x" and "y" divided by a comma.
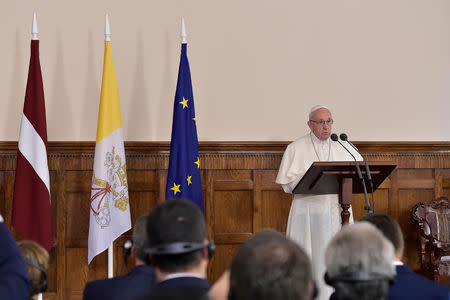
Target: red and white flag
{"x": 31, "y": 212}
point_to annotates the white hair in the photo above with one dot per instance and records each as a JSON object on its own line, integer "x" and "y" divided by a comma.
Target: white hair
{"x": 360, "y": 247}
{"x": 316, "y": 108}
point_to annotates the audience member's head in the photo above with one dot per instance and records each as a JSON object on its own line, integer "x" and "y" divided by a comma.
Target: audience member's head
{"x": 270, "y": 266}
{"x": 359, "y": 263}
{"x": 390, "y": 228}
{"x": 36, "y": 258}
{"x": 178, "y": 238}
{"x": 140, "y": 240}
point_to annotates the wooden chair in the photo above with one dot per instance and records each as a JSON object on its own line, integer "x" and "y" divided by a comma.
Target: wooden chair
{"x": 434, "y": 236}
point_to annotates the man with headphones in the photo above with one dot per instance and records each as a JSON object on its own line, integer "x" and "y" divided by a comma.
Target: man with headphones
{"x": 408, "y": 285}
{"x": 14, "y": 278}
{"x": 179, "y": 250}
{"x": 359, "y": 263}
{"x": 141, "y": 278}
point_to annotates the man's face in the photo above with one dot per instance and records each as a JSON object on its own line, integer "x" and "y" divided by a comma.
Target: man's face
{"x": 321, "y": 123}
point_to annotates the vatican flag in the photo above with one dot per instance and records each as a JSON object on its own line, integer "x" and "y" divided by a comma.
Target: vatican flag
{"x": 109, "y": 203}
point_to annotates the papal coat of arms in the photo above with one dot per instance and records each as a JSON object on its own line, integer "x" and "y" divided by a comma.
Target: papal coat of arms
{"x": 113, "y": 190}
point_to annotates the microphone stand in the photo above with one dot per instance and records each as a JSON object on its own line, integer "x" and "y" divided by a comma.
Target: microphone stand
{"x": 344, "y": 137}
{"x": 335, "y": 138}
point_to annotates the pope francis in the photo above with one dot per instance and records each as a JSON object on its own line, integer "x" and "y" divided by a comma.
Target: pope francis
{"x": 313, "y": 219}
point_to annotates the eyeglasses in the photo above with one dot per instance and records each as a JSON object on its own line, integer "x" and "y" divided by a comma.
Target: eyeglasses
{"x": 322, "y": 122}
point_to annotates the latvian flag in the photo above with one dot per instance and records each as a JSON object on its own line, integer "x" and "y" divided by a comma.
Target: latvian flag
{"x": 31, "y": 213}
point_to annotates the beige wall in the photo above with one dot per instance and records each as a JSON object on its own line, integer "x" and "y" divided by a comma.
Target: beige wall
{"x": 383, "y": 66}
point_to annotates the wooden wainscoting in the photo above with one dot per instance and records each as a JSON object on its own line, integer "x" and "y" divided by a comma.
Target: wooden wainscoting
{"x": 240, "y": 197}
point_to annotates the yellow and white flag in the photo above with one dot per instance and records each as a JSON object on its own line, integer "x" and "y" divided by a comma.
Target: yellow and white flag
{"x": 109, "y": 209}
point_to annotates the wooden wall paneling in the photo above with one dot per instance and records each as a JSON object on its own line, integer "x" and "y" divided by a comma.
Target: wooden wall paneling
{"x": 220, "y": 212}
{"x": 141, "y": 203}
{"x": 381, "y": 196}
{"x": 8, "y": 194}
{"x": 52, "y": 275}
{"x": 358, "y": 204}
{"x": 442, "y": 183}
{"x": 3, "y": 203}
{"x": 382, "y": 200}
{"x": 275, "y": 209}
{"x": 240, "y": 197}
{"x": 59, "y": 234}
{"x": 208, "y": 184}
{"x": 232, "y": 211}
{"x": 77, "y": 222}
{"x": 76, "y": 275}
{"x": 221, "y": 260}
{"x": 275, "y": 202}
{"x": 216, "y": 265}
{"x": 233, "y": 202}
{"x": 162, "y": 178}
{"x": 393, "y": 202}
{"x": 122, "y": 264}
{"x": 438, "y": 183}
{"x": 414, "y": 185}
{"x": 143, "y": 191}
{"x": 409, "y": 228}
{"x": 77, "y": 192}
{"x": 257, "y": 201}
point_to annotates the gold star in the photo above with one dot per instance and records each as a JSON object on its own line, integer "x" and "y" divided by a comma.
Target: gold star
{"x": 176, "y": 188}
{"x": 197, "y": 162}
{"x": 184, "y": 102}
{"x": 194, "y": 119}
{"x": 189, "y": 178}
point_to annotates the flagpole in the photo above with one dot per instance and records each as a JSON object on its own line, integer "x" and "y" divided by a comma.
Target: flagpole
{"x": 110, "y": 248}
{"x": 184, "y": 174}
{"x": 34, "y": 36}
{"x": 183, "y": 32}
{"x": 34, "y": 28}
{"x": 110, "y": 261}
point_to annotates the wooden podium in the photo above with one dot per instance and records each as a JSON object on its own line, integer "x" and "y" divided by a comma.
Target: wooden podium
{"x": 340, "y": 177}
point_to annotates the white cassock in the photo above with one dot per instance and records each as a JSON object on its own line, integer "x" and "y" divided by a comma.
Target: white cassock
{"x": 313, "y": 219}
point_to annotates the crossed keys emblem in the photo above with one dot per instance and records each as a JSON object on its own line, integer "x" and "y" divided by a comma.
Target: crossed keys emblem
{"x": 113, "y": 190}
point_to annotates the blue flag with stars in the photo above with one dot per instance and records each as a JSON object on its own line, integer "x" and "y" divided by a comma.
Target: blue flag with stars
{"x": 183, "y": 178}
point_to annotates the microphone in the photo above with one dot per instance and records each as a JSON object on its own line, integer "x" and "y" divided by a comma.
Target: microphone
{"x": 344, "y": 137}
{"x": 335, "y": 138}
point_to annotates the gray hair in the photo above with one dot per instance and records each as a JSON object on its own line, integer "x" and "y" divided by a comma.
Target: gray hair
{"x": 360, "y": 247}
{"x": 140, "y": 239}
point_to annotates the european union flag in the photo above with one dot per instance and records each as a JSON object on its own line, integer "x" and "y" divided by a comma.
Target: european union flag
{"x": 183, "y": 179}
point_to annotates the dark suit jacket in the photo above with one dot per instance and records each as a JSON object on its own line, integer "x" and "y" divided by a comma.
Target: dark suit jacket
{"x": 411, "y": 286}
{"x": 185, "y": 288}
{"x": 139, "y": 281}
{"x": 14, "y": 278}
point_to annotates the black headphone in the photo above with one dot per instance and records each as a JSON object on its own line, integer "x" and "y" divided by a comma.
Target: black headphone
{"x": 127, "y": 252}
{"x": 358, "y": 276}
{"x": 127, "y": 247}
{"x": 44, "y": 284}
{"x": 181, "y": 248}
